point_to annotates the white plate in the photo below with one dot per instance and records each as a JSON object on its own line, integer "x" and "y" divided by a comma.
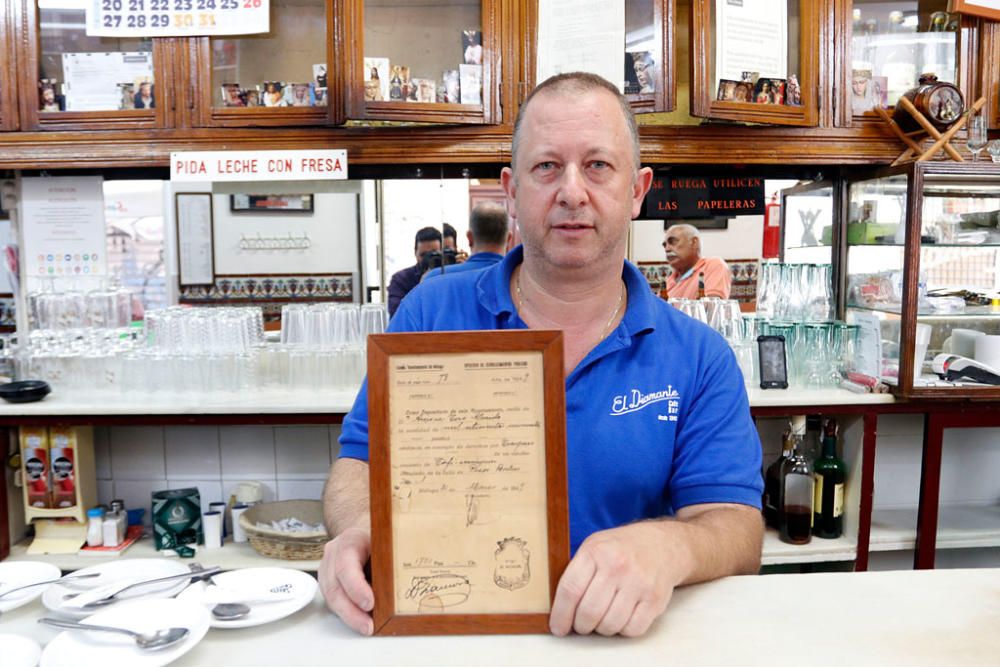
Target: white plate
{"x": 18, "y": 651}
{"x": 124, "y": 571}
{"x": 253, "y": 584}
{"x": 85, "y": 648}
{"x": 23, "y": 573}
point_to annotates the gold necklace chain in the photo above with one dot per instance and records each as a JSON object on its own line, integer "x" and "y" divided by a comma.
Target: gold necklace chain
{"x": 607, "y": 327}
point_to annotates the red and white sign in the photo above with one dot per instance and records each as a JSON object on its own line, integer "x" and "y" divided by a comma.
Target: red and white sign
{"x": 323, "y": 165}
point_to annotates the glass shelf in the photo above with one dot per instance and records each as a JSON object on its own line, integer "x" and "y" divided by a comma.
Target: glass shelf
{"x": 969, "y": 312}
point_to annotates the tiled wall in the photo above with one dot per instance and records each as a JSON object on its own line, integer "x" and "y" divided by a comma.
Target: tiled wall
{"x": 291, "y": 462}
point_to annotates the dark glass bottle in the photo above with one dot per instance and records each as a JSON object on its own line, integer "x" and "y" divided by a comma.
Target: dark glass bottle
{"x": 701, "y": 285}
{"x": 795, "y": 522}
{"x": 830, "y": 473}
{"x": 773, "y": 482}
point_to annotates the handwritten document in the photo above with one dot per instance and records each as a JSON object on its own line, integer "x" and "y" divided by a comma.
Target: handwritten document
{"x": 467, "y": 452}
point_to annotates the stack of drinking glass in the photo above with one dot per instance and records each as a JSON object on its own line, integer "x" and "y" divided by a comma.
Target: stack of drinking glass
{"x": 183, "y": 350}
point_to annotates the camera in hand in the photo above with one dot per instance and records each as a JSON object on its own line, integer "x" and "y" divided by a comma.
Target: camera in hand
{"x": 434, "y": 259}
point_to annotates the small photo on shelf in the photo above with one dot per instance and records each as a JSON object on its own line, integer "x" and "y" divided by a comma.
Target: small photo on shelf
{"x": 471, "y": 84}
{"x": 320, "y": 97}
{"x": 451, "y": 87}
{"x": 426, "y": 90}
{"x": 376, "y": 79}
{"x": 126, "y": 92}
{"x": 299, "y": 95}
{"x": 319, "y": 75}
{"x": 399, "y": 83}
{"x": 472, "y": 47}
{"x": 48, "y": 98}
{"x": 232, "y": 95}
{"x": 793, "y": 92}
{"x": 769, "y": 91}
{"x": 251, "y": 96}
{"x": 731, "y": 90}
{"x": 273, "y": 94}
{"x": 639, "y": 71}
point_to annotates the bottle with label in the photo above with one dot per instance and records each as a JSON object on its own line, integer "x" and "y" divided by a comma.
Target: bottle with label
{"x": 795, "y": 525}
{"x": 95, "y": 528}
{"x": 773, "y": 483}
{"x": 701, "y": 285}
{"x": 828, "y": 497}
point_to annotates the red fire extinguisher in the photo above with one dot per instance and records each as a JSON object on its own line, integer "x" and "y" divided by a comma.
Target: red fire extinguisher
{"x": 771, "y": 246}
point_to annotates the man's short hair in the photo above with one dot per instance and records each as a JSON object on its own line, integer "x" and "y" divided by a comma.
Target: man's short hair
{"x": 691, "y": 231}
{"x": 426, "y": 234}
{"x": 575, "y": 83}
{"x": 488, "y": 224}
{"x": 449, "y": 232}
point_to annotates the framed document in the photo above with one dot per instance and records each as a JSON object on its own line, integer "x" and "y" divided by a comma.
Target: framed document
{"x": 467, "y": 435}
{"x": 196, "y": 264}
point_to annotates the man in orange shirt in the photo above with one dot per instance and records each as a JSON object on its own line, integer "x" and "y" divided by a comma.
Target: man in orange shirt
{"x": 690, "y": 269}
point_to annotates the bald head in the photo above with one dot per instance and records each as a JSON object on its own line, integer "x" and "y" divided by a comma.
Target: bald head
{"x": 572, "y": 84}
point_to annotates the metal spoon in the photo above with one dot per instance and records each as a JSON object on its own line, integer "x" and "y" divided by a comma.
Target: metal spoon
{"x": 146, "y": 641}
{"x": 50, "y": 581}
{"x": 224, "y": 611}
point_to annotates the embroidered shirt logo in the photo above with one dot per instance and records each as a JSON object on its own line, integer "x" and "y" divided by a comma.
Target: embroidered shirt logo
{"x": 635, "y": 400}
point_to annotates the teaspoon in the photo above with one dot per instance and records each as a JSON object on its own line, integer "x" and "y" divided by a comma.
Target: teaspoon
{"x": 224, "y": 611}
{"x": 147, "y": 641}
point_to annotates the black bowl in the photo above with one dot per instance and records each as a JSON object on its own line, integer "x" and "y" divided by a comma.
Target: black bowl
{"x": 24, "y": 391}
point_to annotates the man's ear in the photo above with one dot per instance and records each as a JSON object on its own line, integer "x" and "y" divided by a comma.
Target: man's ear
{"x": 510, "y": 189}
{"x": 468, "y": 237}
{"x": 643, "y": 181}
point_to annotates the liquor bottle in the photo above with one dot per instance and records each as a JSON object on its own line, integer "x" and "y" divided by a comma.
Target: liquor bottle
{"x": 701, "y": 285}
{"x": 795, "y": 525}
{"x": 830, "y": 474}
{"x": 772, "y": 481}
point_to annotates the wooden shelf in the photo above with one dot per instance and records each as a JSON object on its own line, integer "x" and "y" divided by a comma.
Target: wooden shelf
{"x": 959, "y": 527}
{"x": 230, "y": 557}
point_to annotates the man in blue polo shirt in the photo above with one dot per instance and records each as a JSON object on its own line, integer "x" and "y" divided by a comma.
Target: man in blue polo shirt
{"x": 663, "y": 458}
{"x": 488, "y": 235}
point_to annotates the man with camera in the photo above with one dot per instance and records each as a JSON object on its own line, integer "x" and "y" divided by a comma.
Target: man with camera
{"x": 489, "y": 235}
{"x": 427, "y": 241}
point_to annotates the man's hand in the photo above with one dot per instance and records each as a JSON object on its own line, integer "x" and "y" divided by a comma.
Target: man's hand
{"x": 342, "y": 579}
{"x": 622, "y": 579}
{"x": 619, "y": 582}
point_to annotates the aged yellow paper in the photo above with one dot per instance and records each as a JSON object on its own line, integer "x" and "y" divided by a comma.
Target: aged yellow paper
{"x": 467, "y": 460}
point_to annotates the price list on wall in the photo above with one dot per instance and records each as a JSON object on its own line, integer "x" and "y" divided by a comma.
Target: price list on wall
{"x": 176, "y": 18}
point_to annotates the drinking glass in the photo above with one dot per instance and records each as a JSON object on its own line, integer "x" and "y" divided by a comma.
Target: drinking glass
{"x": 976, "y": 140}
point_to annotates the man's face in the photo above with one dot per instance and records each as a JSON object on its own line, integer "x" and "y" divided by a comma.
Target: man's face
{"x": 449, "y": 243}
{"x": 424, "y": 247}
{"x": 682, "y": 249}
{"x": 575, "y": 187}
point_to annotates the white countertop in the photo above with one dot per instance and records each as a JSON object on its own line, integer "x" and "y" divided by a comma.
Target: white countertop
{"x": 913, "y": 618}
{"x": 285, "y": 401}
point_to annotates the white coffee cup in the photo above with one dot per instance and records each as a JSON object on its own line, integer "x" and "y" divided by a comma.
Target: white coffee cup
{"x": 988, "y": 351}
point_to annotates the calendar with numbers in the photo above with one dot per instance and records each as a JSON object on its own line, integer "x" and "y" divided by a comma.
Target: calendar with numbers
{"x": 176, "y": 18}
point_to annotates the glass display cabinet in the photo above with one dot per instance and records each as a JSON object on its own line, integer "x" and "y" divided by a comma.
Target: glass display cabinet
{"x": 437, "y": 61}
{"x": 70, "y": 80}
{"x": 278, "y": 78}
{"x": 8, "y": 89}
{"x": 810, "y": 226}
{"x": 923, "y": 276}
{"x": 893, "y": 43}
{"x": 759, "y": 60}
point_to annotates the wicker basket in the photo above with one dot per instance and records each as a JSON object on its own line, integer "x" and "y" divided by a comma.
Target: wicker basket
{"x": 278, "y": 544}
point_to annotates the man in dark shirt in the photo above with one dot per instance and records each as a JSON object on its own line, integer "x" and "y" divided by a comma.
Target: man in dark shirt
{"x": 428, "y": 239}
{"x": 488, "y": 235}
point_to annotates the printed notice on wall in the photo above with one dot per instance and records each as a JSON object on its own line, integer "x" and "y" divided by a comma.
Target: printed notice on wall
{"x": 468, "y": 476}
{"x": 581, "y": 36}
{"x": 87, "y": 77}
{"x": 751, "y": 36}
{"x": 194, "y": 238}
{"x": 177, "y": 18}
{"x": 63, "y": 226}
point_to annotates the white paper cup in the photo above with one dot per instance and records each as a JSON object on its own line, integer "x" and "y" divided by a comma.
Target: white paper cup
{"x": 988, "y": 351}
{"x": 212, "y": 526}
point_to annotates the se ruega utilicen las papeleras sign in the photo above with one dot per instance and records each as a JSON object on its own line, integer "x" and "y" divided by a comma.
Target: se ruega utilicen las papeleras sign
{"x": 673, "y": 196}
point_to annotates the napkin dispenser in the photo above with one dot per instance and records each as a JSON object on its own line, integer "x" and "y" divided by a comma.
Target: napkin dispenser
{"x": 58, "y": 472}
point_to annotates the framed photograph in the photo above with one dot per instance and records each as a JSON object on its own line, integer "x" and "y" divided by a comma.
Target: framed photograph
{"x": 195, "y": 256}
{"x": 300, "y": 95}
{"x": 271, "y": 203}
{"x": 769, "y": 91}
{"x": 731, "y": 90}
{"x": 376, "y": 79}
{"x": 272, "y": 94}
{"x": 232, "y": 95}
{"x": 472, "y": 47}
{"x": 468, "y": 480}
{"x": 451, "y": 86}
{"x": 426, "y": 90}
{"x": 643, "y": 72}
{"x": 471, "y": 86}
{"x": 319, "y": 75}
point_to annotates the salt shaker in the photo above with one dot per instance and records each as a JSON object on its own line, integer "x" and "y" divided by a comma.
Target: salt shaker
{"x": 95, "y": 529}
{"x": 239, "y": 535}
{"x": 212, "y": 526}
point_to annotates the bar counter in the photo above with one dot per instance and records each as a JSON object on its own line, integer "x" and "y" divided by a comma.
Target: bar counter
{"x": 913, "y": 618}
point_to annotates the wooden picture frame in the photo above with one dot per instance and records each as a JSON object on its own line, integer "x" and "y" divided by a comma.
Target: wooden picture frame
{"x": 469, "y": 536}
{"x": 266, "y": 203}
{"x": 195, "y": 238}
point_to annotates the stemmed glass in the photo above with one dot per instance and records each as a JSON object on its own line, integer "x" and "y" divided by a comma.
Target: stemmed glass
{"x": 976, "y": 140}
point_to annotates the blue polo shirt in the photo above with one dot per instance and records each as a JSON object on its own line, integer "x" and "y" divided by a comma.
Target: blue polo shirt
{"x": 657, "y": 417}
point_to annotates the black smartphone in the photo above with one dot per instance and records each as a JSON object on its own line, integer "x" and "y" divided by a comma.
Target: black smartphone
{"x": 773, "y": 369}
